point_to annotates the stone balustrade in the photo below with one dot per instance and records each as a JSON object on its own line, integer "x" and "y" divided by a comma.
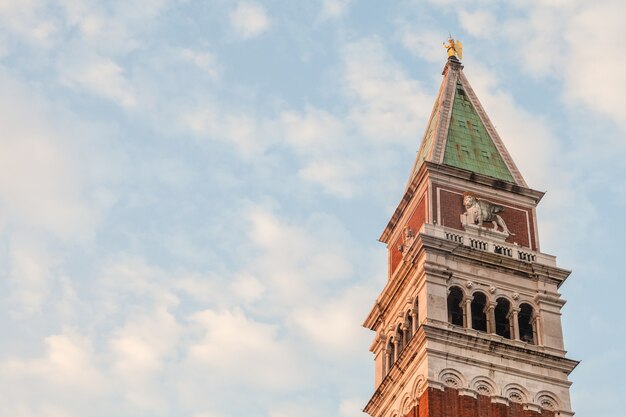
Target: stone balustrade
{"x": 483, "y": 239}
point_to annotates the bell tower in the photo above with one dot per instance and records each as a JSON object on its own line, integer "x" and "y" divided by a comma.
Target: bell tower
{"x": 469, "y": 321}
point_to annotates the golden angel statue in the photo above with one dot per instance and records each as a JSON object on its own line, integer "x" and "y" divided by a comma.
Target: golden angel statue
{"x": 455, "y": 48}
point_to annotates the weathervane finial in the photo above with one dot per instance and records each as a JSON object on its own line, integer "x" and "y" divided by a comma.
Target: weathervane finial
{"x": 455, "y": 48}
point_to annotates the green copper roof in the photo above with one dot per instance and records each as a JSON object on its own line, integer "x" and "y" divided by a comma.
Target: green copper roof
{"x": 468, "y": 145}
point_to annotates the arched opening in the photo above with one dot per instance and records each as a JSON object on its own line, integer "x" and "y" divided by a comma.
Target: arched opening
{"x": 479, "y": 317}
{"x": 503, "y": 325}
{"x": 455, "y": 311}
{"x": 400, "y": 338}
{"x": 409, "y": 327}
{"x": 391, "y": 354}
{"x": 525, "y": 320}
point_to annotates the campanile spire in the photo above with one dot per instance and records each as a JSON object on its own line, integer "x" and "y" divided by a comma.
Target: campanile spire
{"x": 468, "y": 323}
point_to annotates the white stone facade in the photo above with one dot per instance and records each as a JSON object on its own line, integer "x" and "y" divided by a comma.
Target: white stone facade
{"x": 436, "y": 353}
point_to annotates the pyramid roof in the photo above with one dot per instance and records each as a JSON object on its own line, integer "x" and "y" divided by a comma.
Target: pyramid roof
{"x": 460, "y": 134}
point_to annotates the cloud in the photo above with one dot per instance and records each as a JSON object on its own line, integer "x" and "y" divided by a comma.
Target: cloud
{"x": 332, "y": 9}
{"x": 206, "y": 61}
{"x": 100, "y": 76}
{"x": 249, "y": 19}
{"x": 30, "y": 274}
{"x": 250, "y": 136}
{"x": 295, "y": 259}
{"x": 333, "y": 325}
{"x": 388, "y": 106}
{"x": 236, "y": 350}
{"x": 29, "y": 21}
{"x": 336, "y": 176}
{"x": 65, "y": 381}
{"x": 594, "y": 35}
{"x": 480, "y": 23}
{"x": 49, "y": 182}
{"x": 424, "y": 43}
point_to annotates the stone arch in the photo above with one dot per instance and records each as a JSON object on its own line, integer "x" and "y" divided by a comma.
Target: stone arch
{"x": 455, "y": 298}
{"x": 452, "y": 378}
{"x": 480, "y": 301}
{"x": 408, "y": 320}
{"x": 547, "y": 400}
{"x": 527, "y": 323}
{"x": 400, "y": 335}
{"x": 484, "y": 385}
{"x": 418, "y": 387}
{"x": 516, "y": 393}
{"x": 390, "y": 354}
{"x": 406, "y": 404}
{"x": 502, "y": 312}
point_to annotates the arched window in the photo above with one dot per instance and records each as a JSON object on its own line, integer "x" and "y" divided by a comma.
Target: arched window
{"x": 455, "y": 311}
{"x": 479, "y": 318}
{"x": 391, "y": 354}
{"x": 503, "y": 325}
{"x": 525, "y": 320}
{"x": 400, "y": 338}
{"x": 409, "y": 327}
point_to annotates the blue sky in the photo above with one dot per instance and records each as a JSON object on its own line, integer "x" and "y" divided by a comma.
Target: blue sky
{"x": 191, "y": 191}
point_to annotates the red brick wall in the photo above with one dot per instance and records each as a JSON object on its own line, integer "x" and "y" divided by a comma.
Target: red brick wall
{"x": 448, "y": 403}
{"x": 451, "y": 201}
{"x": 415, "y": 222}
{"x": 396, "y": 255}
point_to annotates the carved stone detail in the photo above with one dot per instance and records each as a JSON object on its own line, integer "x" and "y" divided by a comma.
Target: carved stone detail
{"x": 478, "y": 211}
{"x": 408, "y": 238}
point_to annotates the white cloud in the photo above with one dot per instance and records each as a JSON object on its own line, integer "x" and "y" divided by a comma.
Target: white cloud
{"x": 47, "y": 184}
{"x": 29, "y": 21}
{"x": 425, "y": 43}
{"x": 143, "y": 343}
{"x": 595, "y": 38}
{"x": 249, "y": 19}
{"x": 49, "y": 385}
{"x": 337, "y": 175}
{"x": 312, "y": 130}
{"x": 389, "y": 105}
{"x": 248, "y": 287}
{"x": 480, "y": 23}
{"x": 332, "y": 9}
{"x": 249, "y": 136}
{"x": 111, "y": 28}
{"x": 235, "y": 349}
{"x": 30, "y": 274}
{"x": 141, "y": 350}
{"x": 333, "y": 325}
{"x": 294, "y": 260}
{"x": 351, "y": 407}
{"x": 100, "y": 76}
{"x": 576, "y": 42}
{"x": 206, "y": 61}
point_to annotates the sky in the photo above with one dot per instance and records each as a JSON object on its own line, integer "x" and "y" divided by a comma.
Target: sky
{"x": 191, "y": 192}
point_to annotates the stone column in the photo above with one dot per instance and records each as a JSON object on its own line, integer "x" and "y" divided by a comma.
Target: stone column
{"x": 537, "y": 334}
{"x": 414, "y": 317}
{"x": 514, "y": 323}
{"x": 396, "y": 344}
{"x": 405, "y": 334}
{"x": 490, "y": 311}
{"x": 467, "y": 312}
{"x": 386, "y": 364}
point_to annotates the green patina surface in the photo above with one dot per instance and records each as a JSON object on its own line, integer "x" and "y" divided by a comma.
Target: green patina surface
{"x": 468, "y": 145}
